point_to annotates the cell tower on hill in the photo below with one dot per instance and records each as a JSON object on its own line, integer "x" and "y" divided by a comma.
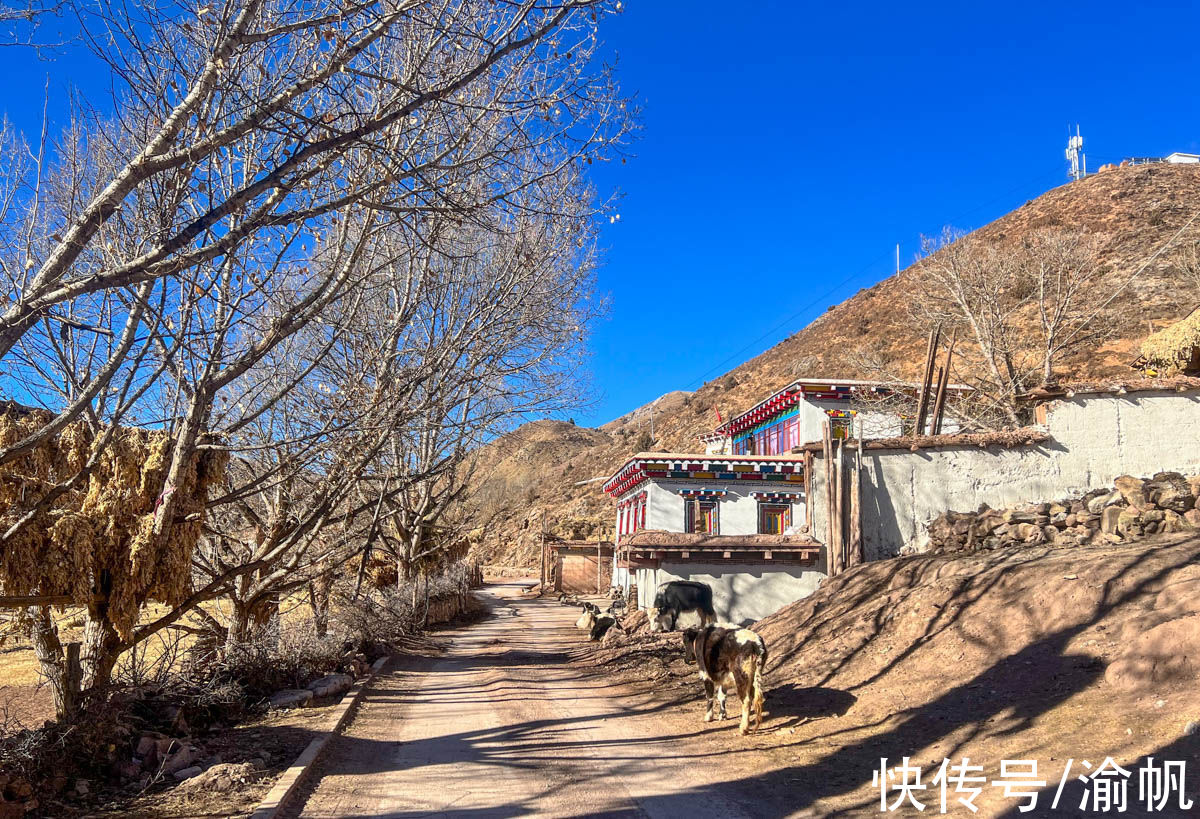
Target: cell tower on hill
{"x": 1075, "y": 155}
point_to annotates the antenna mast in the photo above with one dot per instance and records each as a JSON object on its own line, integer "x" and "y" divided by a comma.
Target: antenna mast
{"x": 1075, "y": 155}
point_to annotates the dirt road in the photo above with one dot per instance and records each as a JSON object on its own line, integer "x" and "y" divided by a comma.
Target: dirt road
{"x": 503, "y": 725}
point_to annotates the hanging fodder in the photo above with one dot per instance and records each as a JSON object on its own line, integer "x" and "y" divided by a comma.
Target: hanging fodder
{"x": 103, "y": 527}
{"x": 1175, "y": 349}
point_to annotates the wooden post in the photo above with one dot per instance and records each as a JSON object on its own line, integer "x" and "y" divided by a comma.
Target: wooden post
{"x": 808, "y": 490}
{"x": 855, "y": 548}
{"x": 926, "y": 381}
{"x": 599, "y": 560}
{"x": 939, "y": 405}
{"x": 72, "y": 676}
{"x": 839, "y": 477}
{"x": 827, "y": 468}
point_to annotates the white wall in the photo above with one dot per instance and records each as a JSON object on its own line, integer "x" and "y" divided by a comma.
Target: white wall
{"x": 741, "y": 594}
{"x": 737, "y": 510}
{"x": 1093, "y": 439}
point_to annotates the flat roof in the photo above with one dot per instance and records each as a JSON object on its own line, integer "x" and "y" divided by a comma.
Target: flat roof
{"x": 819, "y": 385}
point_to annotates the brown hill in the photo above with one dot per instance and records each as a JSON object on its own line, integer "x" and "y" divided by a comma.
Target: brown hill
{"x": 1133, "y": 211}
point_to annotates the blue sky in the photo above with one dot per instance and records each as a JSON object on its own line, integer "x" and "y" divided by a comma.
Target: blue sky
{"x": 788, "y": 146}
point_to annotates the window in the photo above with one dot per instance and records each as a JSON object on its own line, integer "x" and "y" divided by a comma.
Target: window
{"x": 774, "y": 518}
{"x": 700, "y": 516}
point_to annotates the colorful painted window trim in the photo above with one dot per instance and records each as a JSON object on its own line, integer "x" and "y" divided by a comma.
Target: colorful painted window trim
{"x": 631, "y": 515}
{"x": 774, "y": 518}
{"x": 772, "y": 439}
{"x": 701, "y": 516}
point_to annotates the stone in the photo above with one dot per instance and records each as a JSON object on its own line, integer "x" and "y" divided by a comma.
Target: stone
{"x": 1173, "y": 522}
{"x": 1131, "y": 490}
{"x": 1129, "y": 522}
{"x": 1192, "y": 516}
{"x": 290, "y": 698}
{"x": 1059, "y": 519}
{"x": 1026, "y": 532}
{"x": 1071, "y": 520}
{"x": 333, "y": 685}
{"x": 1057, "y": 509}
{"x": 183, "y": 758}
{"x": 1051, "y": 534}
{"x": 188, "y": 773}
{"x": 1191, "y": 728}
{"x": 1169, "y": 490}
{"x": 1099, "y": 503}
{"x": 82, "y": 787}
{"x": 1109, "y": 518}
{"x": 148, "y": 743}
{"x": 1154, "y": 515}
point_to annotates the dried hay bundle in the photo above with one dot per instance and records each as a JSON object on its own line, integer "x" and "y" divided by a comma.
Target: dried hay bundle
{"x": 106, "y": 524}
{"x": 1172, "y": 349}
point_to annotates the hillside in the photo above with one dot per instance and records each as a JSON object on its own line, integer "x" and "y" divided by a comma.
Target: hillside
{"x": 1132, "y": 210}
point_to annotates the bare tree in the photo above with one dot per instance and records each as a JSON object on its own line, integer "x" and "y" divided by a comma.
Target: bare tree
{"x": 1022, "y": 305}
{"x": 300, "y": 230}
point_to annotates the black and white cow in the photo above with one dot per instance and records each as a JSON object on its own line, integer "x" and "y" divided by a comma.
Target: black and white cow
{"x": 733, "y": 658}
{"x": 677, "y": 597}
{"x": 594, "y": 621}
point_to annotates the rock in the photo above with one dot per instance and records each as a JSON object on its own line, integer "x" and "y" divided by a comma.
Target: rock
{"x": 1192, "y": 516}
{"x": 1131, "y": 490}
{"x": 1071, "y": 520}
{"x": 1154, "y": 515}
{"x": 1100, "y": 502}
{"x": 1027, "y": 532}
{"x": 1057, "y": 509}
{"x": 1051, "y": 534}
{"x": 225, "y": 777}
{"x": 331, "y": 686}
{"x": 1109, "y": 518}
{"x": 1173, "y": 522}
{"x": 82, "y": 787}
{"x": 188, "y": 773}
{"x": 1169, "y": 490}
{"x": 183, "y": 758}
{"x": 290, "y": 698}
{"x": 1129, "y": 522}
{"x": 148, "y": 743}
{"x": 1191, "y": 728}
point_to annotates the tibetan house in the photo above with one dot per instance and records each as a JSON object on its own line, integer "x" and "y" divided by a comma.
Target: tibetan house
{"x": 736, "y": 523}
{"x": 797, "y": 415}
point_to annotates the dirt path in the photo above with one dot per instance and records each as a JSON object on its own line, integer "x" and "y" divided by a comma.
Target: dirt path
{"x": 503, "y": 725}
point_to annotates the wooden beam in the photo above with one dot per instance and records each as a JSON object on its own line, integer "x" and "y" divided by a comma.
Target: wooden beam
{"x": 926, "y": 381}
{"x": 939, "y": 404}
{"x": 24, "y": 601}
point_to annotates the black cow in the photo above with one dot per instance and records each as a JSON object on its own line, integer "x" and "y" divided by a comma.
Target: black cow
{"x": 679, "y": 596}
{"x": 729, "y": 657}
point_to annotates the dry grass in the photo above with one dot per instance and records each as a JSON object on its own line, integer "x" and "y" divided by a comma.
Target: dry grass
{"x": 103, "y": 525}
{"x": 1170, "y": 350}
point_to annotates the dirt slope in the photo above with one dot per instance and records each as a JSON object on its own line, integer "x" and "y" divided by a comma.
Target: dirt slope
{"x": 1134, "y": 210}
{"x": 1046, "y": 654}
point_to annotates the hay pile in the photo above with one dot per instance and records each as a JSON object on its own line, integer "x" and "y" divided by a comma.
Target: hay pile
{"x": 101, "y": 529}
{"x": 1173, "y": 349}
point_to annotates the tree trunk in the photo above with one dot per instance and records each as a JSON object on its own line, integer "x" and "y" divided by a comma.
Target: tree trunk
{"x": 319, "y": 591}
{"x": 60, "y": 667}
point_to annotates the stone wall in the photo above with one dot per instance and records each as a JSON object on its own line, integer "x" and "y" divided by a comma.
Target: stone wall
{"x": 1093, "y": 439}
{"x": 1131, "y": 509}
